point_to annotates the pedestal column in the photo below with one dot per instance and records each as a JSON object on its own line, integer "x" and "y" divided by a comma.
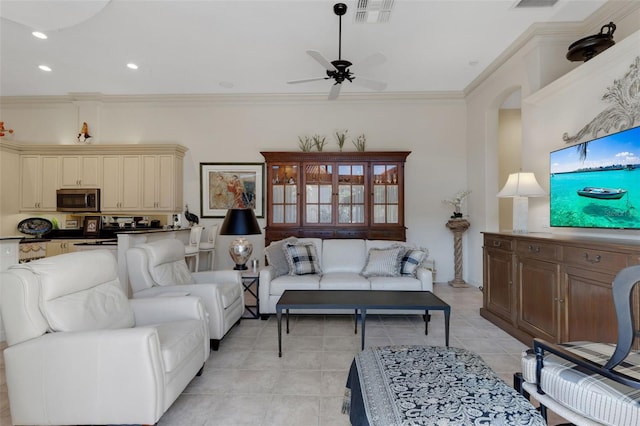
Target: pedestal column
{"x": 458, "y": 226}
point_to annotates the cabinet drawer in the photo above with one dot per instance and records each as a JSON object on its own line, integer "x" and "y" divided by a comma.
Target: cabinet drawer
{"x": 595, "y": 259}
{"x": 496, "y": 242}
{"x": 538, "y": 250}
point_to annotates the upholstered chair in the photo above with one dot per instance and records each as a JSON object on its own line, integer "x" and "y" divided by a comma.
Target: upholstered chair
{"x": 158, "y": 269}
{"x": 591, "y": 383}
{"x": 80, "y": 352}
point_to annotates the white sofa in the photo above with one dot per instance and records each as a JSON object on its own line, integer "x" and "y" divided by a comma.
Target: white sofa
{"x": 341, "y": 262}
{"x": 80, "y": 352}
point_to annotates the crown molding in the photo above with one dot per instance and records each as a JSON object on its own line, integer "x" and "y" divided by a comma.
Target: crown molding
{"x": 203, "y": 99}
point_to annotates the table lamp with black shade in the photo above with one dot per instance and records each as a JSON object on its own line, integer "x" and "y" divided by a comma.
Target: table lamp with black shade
{"x": 240, "y": 222}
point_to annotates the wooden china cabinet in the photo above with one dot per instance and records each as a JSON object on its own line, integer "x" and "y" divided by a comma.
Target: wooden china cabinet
{"x": 335, "y": 195}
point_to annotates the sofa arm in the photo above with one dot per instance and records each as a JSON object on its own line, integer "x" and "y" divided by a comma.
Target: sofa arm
{"x": 426, "y": 278}
{"x": 226, "y": 276}
{"x": 69, "y": 365}
{"x": 149, "y": 311}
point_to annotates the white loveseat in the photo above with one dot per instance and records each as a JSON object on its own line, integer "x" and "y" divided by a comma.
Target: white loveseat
{"x": 341, "y": 262}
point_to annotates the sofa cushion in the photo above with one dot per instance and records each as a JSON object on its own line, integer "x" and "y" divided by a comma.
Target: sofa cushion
{"x": 411, "y": 260}
{"x": 403, "y": 283}
{"x": 178, "y": 341}
{"x": 344, "y": 281}
{"x": 383, "y": 262}
{"x": 302, "y": 258}
{"x": 343, "y": 256}
{"x": 276, "y": 257}
{"x": 294, "y": 282}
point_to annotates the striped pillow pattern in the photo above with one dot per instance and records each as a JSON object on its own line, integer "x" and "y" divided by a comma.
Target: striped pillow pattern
{"x": 589, "y": 394}
{"x": 411, "y": 260}
{"x": 383, "y": 262}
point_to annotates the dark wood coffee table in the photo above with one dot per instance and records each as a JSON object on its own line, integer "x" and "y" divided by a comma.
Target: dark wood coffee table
{"x": 361, "y": 300}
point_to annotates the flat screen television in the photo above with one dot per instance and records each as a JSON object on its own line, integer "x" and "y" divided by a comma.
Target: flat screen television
{"x": 601, "y": 189}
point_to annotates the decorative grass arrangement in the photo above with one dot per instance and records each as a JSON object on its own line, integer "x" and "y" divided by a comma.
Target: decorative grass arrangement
{"x": 305, "y": 143}
{"x": 319, "y": 142}
{"x": 341, "y": 138}
{"x": 360, "y": 143}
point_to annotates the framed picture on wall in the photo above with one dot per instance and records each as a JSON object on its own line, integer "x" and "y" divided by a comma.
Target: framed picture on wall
{"x": 91, "y": 226}
{"x": 225, "y": 186}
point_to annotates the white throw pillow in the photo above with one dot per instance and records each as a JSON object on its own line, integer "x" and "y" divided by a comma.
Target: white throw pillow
{"x": 276, "y": 257}
{"x": 383, "y": 262}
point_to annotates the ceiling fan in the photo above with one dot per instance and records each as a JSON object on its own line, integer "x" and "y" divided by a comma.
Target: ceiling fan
{"x": 338, "y": 70}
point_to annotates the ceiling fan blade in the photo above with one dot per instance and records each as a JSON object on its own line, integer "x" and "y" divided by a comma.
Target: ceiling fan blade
{"x": 371, "y": 60}
{"x": 321, "y": 60}
{"x": 369, "y": 84}
{"x": 307, "y": 80}
{"x": 335, "y": 91}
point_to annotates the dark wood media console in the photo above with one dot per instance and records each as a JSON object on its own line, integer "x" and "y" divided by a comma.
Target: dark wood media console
{"x": 554, "y": 287}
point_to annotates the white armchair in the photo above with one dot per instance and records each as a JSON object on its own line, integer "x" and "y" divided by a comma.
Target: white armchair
{"x": 159, "y": 269}
{"x": 80, "y": 352}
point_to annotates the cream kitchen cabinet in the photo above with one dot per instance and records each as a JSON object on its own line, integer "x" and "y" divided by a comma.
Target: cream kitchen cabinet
{"x": 121, "y": 190}
{"x": 38, "y": 182}
{"x": 161, "y": 183}
{"x": 56, "y": 247}
{"x": 80, "y": 171}
{"x": 133, "y": 178}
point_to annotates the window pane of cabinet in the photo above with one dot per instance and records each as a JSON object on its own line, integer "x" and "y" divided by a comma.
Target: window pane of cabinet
{"x": 283, "y": 193}
{"x": 386, "y": 194}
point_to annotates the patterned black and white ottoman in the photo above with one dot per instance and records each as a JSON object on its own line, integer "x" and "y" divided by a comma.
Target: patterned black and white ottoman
{"x": 431, "y": 385}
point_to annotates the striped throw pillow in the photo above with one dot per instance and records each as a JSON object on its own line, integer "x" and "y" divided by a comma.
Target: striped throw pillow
{"x": 411, "y": 259}
{"x": 383, "y": 262}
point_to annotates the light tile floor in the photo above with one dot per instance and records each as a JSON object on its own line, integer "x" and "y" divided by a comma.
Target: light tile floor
{"x": 246, "y": 383}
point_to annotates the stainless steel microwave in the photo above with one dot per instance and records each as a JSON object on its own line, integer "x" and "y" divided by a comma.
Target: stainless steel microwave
{"x": 78, "y": 200}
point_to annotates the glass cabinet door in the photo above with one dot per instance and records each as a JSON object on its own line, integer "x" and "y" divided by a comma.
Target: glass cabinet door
{"x": 386, "y": 196}
{"x": 284, "y": 193}
{"x": 318, "y": 181}
{"x": 351, "y": 194}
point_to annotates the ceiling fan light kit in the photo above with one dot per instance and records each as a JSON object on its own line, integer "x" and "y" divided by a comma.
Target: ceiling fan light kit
{"x": 338, "y": 70}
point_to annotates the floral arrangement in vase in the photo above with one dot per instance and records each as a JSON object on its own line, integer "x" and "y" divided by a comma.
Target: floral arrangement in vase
{"x": 457, "y": 202}
{"x": 360, "y": 143}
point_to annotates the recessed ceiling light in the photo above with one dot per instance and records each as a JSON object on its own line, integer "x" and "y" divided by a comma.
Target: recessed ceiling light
{"x": 44, "y": 68}
{"x": 132, "y": 66}
{"x": 39, "y": 35}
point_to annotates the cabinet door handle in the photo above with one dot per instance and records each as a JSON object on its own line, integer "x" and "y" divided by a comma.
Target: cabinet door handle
{"x": 534, "y": 249}
{"x": 497, "y": 243}
{"x": 594, "y": 260}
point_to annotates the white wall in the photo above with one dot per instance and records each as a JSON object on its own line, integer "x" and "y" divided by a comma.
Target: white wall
{"x": 236, "y": 129}
{"x": 537, "y": 64}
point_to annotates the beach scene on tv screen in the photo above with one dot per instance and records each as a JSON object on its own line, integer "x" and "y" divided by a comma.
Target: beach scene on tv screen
{"x": 601, "y": 190}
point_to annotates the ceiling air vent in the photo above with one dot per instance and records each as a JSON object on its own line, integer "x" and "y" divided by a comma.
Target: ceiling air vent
{"x": 373, "y": 11}
{"x": 535, "y": 3}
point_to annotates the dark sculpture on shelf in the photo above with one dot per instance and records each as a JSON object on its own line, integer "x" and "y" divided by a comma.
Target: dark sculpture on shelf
{"x": 588, "y": 47}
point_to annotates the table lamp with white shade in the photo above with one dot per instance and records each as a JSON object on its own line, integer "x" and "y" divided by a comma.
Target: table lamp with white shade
{"x": 520, "y": 186}
{"x": 240, "y": 222}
